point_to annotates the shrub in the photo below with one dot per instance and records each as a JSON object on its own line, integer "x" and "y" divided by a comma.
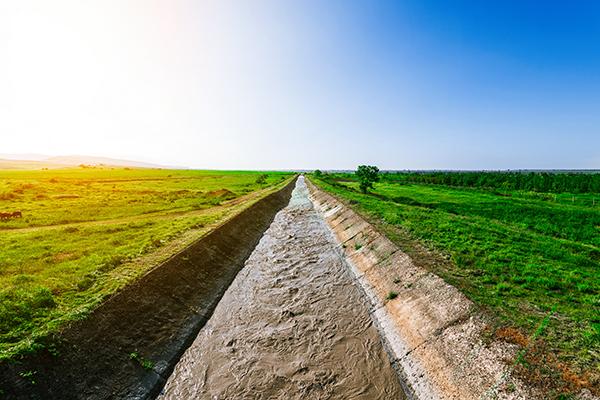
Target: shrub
{"x": 262, "y": 179}
{"x": 392, "y": 295}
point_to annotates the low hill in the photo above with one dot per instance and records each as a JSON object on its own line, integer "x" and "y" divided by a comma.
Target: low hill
{"x": 27, "y": 164}
{"x": 30, "y": 162}
{"x": 89, "y": 160}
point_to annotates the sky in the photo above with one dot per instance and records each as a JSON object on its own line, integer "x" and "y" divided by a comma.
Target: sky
{"x": 329, "y": 84}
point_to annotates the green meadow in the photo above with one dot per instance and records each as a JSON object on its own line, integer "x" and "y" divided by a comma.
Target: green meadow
{"x": 86, "y": 232}
{"x": 526, "y": 258}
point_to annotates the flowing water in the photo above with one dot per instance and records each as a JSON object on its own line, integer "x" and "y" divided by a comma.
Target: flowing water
{"x": 292, "y": 325}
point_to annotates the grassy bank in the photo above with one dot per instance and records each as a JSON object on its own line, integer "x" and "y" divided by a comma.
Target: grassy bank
{"x": 521, "y": 256}
{"x": 86, "y": 232}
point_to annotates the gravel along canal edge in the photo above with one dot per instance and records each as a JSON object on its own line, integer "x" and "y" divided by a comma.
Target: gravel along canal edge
{"x": 432, "y": 332}
{"x": 129, "y": 345}
{"x": 293, "y": 325}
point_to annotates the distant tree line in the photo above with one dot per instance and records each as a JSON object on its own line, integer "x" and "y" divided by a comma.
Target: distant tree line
{"x": 547, "y": 182}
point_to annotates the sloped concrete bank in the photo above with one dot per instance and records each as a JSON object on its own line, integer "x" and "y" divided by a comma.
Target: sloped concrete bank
{"x": 432, "y": 332}
{"x": 128, "y": 346}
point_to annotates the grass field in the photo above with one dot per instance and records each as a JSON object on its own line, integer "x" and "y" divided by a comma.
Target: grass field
{"x": 521, "y": 256}
{"x": 86, "y": 232}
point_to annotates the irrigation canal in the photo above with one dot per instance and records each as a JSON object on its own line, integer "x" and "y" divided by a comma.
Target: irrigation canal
{"x": 292, "y": 325}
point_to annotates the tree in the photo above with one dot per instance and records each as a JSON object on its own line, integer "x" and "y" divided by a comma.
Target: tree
{"x": 318, "y": 173}
{"x": 367, "y": 175}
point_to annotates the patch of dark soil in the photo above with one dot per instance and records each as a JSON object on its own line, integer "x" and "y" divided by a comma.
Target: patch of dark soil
{"x": 221, "y": 194}
{"x": 128, "y": 346}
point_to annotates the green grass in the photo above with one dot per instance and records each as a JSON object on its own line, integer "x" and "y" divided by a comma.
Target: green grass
{"x": 85, "y": 233}
{"x": 518, "y": 255}
{"x": 144, "y": 363}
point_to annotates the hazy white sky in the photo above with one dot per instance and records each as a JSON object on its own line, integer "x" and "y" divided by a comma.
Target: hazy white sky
{"x": 195, "y": 83}
{"x": 274, "y": 84}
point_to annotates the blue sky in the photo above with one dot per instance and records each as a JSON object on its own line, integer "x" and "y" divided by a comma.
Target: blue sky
{"x": 311, "y": 84}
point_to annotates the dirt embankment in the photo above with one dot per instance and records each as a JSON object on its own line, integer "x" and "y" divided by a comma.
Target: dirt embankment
{"x": 128, "y": 347}
{"x": 433, "y": 333}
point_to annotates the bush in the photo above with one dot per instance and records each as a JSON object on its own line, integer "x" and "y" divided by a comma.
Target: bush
{"x": 392, "y": 295}
{"x": 262, "y": 179}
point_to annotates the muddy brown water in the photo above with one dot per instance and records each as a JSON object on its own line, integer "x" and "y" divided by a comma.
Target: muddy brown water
{"x": 292, "y": 325}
